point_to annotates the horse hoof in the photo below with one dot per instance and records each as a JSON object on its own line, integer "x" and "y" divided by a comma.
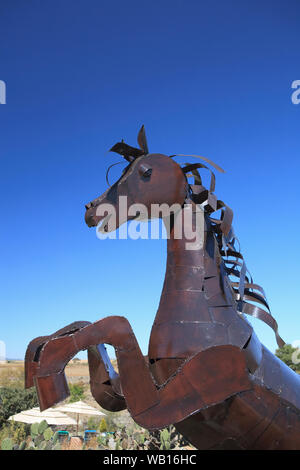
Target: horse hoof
{"x": 51, "y": 389}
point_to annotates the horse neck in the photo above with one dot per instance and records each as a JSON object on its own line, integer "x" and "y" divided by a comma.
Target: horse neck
{"x": 184, "y": 251}
{"x": 190, "y": 272}
{"x": 197, "y": 307}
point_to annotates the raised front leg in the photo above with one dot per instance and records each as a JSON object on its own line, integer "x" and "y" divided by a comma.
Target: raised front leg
{"x": 104, "y": 381}
{"x": 205, "y": 379}
{"x": 35, "y": 346}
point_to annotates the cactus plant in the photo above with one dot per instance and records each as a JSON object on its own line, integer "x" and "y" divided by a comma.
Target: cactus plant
{"x": 55, "y": 438}
{"x": 118, "y": 444}
{"x": 42, "y": 426}
{"x": 34, "y": 429}
{"x": 127, "y": 437}
{"x": 48, "y": 445}
{"x": 42, "y": 445}
{"x": 38, "y": 439}
{"x": 139, "y": 437}
{"x": 48, "y": 433}
{"x": 165, "y": 439}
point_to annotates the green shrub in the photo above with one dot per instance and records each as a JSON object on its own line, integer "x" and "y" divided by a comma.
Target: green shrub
{"x": 14, "y": 430}
{"x": 93, "y": 423}
{"x": 129, "y": 437}
{"x": 285, "y": 354}
{"x": 76, "y": 392}
{"x": 15, "y": 400}
{"x": 7, "y": 444}
{"x": 22, "y": 445}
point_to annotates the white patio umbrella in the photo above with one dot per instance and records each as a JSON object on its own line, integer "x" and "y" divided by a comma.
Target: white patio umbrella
{"x": 79, "y": 408}
{"x": 52, "y": 416}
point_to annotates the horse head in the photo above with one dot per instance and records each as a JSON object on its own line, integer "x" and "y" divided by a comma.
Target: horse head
{"x": 149, "y": 178}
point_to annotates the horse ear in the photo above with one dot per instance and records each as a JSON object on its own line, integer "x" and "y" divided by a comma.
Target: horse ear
{"x": 142, "y": 141}
{"x": 128, "y": 152}
{"x": 131, "y": 153}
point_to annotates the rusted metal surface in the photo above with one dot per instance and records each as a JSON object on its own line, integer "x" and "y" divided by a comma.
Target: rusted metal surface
{"x": 206, "y": 370}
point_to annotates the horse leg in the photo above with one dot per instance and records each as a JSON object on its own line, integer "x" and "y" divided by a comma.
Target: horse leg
{"x": 35, "y": 346}
{"x": 206, "y": 379}
{"x": 104, "y": 381}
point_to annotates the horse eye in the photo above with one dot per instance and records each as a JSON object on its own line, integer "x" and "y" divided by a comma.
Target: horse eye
{"x": 145, "y": 171}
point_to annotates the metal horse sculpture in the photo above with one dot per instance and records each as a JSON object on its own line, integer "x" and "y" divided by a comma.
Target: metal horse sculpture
{"x": 206, "y": 371}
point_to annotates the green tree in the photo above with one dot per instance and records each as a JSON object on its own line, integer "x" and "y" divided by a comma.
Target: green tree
{"x": 103, "y": 425}
{"x": 15, "y": 400}
{"x": 76, "y": 392}
{"x": 285, "y": 354}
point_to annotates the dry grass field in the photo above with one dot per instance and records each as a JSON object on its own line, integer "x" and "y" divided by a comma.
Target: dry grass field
{"x": 77, "y": 370}
{"x": 12, "y": 374}
{"x": 13, "y": 371}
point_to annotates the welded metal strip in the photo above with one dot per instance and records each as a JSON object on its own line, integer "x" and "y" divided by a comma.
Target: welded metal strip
{"x": 264, "y": 316}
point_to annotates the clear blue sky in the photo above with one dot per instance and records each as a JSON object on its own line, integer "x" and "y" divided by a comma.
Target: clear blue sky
{"x": 212, "y": 78}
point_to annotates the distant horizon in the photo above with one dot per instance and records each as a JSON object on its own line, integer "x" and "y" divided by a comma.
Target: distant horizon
{"x": 23, "y": 360}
